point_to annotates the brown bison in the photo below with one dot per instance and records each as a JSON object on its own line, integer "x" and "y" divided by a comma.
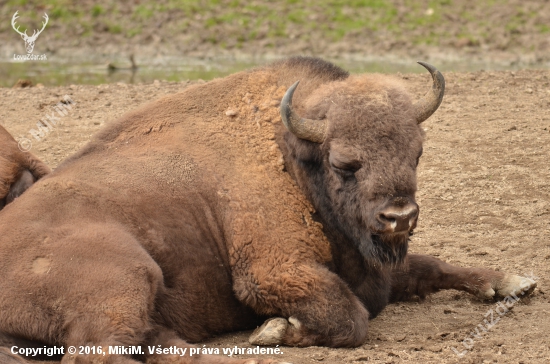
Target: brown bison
{"x": 18, "y": 169}
{"x": 202, "y": 213}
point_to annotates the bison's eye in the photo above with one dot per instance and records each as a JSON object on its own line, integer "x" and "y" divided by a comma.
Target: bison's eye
{"x": 344, "y": 165}
{"x": 345, "y": 169}
{"x": 346, "y": 174}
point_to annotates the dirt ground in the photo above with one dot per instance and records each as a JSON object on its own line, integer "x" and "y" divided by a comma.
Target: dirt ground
{"x": 484, "y": 194}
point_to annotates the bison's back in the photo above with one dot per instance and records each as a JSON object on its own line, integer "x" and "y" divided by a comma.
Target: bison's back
{"x": 182, "y": 184}
{"x": 70, "y": 227}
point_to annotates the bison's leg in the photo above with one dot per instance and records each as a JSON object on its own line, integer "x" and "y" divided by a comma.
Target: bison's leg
{"x": 315, "y": 306}
{"x": 88, "y": 285}
{"x": 84, "y": 285}
{"x": 424, "y": 274}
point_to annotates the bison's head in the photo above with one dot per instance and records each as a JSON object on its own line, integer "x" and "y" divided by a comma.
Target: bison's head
{"x": 354, "y": 150}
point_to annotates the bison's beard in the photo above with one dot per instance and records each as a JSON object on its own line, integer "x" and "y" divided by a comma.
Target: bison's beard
{"x": 387, "y": 249}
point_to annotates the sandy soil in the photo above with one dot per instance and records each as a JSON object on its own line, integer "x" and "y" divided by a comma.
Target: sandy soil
{"x": 484, "y": 193}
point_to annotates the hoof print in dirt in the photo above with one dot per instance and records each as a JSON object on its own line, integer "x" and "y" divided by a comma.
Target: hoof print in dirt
{"x": 270, "y": 333}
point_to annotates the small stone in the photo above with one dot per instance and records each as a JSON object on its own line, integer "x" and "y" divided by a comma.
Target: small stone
{"x": 231, "y": 112}
{"x": 400, "y": 338}
{"x": 318, "y": 357}
{"x": 434, "y": 348}
{"x": 22, "y": 83}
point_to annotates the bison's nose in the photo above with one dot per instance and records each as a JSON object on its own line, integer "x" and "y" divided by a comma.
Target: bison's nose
{"x": 398, "y": 218}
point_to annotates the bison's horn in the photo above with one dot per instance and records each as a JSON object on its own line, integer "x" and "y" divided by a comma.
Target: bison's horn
{"x": 312, "y": 130}
{"x": 425, "y": 107}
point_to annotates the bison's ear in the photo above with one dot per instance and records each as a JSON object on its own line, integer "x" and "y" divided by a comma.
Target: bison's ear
{"x": 302, "y": 151}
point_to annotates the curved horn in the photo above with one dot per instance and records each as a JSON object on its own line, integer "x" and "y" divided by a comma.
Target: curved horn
{"x": 312, "y": 130}
{"x": 425, "y": 107}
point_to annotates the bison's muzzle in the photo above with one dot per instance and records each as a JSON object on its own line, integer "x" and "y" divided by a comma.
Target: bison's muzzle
{"x": 398, "y": 216}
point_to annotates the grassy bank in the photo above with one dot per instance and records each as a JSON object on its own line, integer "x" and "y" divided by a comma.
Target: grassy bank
{"x": 289, "y": 26}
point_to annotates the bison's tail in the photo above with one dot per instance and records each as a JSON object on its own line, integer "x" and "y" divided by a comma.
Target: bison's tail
{"x": 16, "y": 178}
{"x": 38, "y": 168}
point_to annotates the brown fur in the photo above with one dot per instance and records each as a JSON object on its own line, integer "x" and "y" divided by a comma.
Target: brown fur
{"x": 178, "y": 221}
{"x": 18, "y": 169}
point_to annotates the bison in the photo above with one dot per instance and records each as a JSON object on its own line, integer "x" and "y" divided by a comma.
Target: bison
{"x": 202, "y": 213}
{"x": 18, "y": 169}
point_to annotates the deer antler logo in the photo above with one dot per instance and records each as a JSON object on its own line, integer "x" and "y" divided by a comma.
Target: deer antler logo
{"x": 29, "y": 41}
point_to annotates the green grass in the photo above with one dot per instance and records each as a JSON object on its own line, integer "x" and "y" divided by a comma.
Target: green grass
{"x": 97, "y": 10}
{"x": 251, "y": 20}
{"x": 143, "y": 12}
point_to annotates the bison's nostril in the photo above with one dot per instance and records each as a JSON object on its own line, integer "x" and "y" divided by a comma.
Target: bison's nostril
{"x": 398, "y": 218}
{"x": 387, "y": 220}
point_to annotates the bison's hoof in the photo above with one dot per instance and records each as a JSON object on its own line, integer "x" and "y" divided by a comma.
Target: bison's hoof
{"x": 510, "y": 285}
{"x": 515, "y": 285}
{"x": 270, "y": 333}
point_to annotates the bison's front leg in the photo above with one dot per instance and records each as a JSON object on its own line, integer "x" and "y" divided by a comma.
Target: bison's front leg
{"x": 422, "y": 275}
{"x": 315, "y": 307}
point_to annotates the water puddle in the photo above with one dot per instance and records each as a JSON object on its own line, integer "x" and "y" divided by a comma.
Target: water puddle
{"x": 50, "y": 73}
